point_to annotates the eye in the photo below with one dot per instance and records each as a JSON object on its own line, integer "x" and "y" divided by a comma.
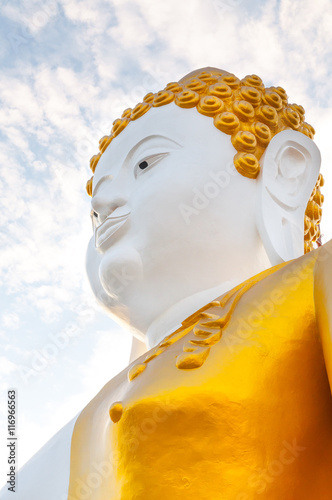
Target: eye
{"x": 148, "y": 162}
{"x": 144, "y": 164}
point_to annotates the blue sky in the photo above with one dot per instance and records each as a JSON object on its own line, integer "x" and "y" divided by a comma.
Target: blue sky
{"x": 69, "y": 69}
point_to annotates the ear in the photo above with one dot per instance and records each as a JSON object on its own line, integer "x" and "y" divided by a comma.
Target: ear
{"x": 290, "y": 168}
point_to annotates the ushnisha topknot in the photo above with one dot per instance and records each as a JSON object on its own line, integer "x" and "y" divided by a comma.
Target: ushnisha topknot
{"x": 244, "y": 109}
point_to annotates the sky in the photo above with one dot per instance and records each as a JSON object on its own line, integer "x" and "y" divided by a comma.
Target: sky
{"x": 68, "y": 70}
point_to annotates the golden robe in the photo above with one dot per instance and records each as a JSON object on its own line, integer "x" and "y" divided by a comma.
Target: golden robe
{"x": 234, "y": 405}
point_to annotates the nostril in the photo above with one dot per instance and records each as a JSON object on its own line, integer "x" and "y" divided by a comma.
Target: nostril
{"x": 104, "y": 207}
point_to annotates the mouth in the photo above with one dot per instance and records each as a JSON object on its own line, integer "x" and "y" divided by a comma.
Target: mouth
{"x": 108, "y": 228}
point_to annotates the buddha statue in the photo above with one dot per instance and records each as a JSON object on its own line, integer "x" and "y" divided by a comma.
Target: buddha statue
{"x": 206, "y": 209}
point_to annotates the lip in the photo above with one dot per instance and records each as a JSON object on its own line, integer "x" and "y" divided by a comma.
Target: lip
{"x": 108, "y": 228}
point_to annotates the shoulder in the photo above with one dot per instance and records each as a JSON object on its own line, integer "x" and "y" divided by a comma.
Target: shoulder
{"x": 323, "y": 301}
{"x": 323, "y": 277}
{"x": 269, "y": 304}
{"x": 323, "y": 268}
{"x": 46, "y": 474}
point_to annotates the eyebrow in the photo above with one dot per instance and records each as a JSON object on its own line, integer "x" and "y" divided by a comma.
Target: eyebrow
{"x": 101, "y": 180}
{"x": 130, "y": 154}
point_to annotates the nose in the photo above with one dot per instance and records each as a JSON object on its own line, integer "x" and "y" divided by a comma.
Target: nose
{"x": 112, "y": 210}
{"x": 106, "y": 205}
{"x": 111, "y": 195}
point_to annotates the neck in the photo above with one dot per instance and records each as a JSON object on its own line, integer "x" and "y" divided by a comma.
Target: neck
{"x": 171, "y": 320}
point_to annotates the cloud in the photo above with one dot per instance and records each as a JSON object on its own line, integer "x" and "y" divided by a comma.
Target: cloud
{"x": 6, "y": 366}
{"x": 103, "y": 364}
{"x": 69, "y": 69}
{"x": 11, "y": 321}
{"x": 34, "y": 15}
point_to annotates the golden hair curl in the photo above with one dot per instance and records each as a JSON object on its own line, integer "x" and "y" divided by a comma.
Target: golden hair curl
{"x": 244, "y": 109}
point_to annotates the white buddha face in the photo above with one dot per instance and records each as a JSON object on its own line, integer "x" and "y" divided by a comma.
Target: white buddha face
{"x": 172, "y": 216}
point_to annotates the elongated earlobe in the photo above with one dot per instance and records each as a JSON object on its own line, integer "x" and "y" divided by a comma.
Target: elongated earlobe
{"x": 290, "y": 168}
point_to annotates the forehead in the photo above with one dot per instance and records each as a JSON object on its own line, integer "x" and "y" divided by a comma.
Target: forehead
{"x": 165, "y": 127}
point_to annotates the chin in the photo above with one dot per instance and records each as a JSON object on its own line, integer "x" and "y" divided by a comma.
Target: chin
{"x": 120, "y": 270}
{"x": 115, "y": 277}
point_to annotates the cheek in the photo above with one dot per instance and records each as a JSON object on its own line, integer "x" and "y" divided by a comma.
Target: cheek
{"x": 157, "y": 215}
{"x": 120, "y": 271}
{"x": 177, "y": 198}
{"x": 93, "y": 259}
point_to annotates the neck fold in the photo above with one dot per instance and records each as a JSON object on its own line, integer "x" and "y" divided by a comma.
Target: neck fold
{"x": 171, "y": 319}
